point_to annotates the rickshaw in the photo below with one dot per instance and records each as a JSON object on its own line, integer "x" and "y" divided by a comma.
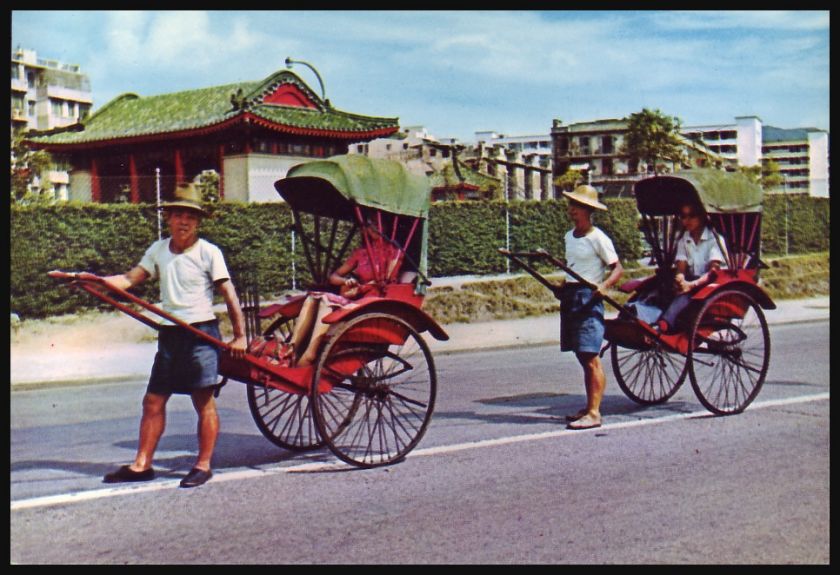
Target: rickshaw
{"x": 371, "y": 392}
{"x": 721, "y": 342}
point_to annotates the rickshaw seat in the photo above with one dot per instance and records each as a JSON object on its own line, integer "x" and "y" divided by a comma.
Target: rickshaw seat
{"x": 634, "y": 284}
{"x": 289, "y": 308}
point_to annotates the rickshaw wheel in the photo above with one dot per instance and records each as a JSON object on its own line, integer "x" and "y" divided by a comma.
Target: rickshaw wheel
{"x": 648, "y": 376}
{"x": 283, "y": 418}
{"x": 381, "y": 389}
{"x": 729, "y": 352}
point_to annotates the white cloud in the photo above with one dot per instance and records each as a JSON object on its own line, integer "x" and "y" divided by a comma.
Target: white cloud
{"x": 458, "y": 71}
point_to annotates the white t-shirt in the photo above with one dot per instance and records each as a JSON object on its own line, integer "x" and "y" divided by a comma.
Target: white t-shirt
{"x": 698, "y": 255}
{"x": 590, "y": 256}
{"x": 186, "y": 279}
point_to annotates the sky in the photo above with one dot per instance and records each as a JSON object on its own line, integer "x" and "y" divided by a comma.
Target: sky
{"x": 461, "y": 72}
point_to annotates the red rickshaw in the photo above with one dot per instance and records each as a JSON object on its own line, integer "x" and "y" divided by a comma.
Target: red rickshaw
{"x": 370, "y": 395}
{"x": 722, "y": 342}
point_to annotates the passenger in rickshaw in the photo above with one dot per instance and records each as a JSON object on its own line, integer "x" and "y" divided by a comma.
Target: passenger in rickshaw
{"x": 698, "y": 259}
{"x": 590, "y": 253}
{"x": 354, "y": 278}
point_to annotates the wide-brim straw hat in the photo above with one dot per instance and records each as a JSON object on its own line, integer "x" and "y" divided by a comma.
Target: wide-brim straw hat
{"x": 186, "y": 196}
{"x": 586, "y": 195}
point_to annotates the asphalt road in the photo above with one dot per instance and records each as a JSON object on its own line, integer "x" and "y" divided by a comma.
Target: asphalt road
{"x": 496, "y": 479}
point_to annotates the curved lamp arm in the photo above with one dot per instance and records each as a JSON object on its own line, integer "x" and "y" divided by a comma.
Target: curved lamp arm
{"x": 290, "y": 62}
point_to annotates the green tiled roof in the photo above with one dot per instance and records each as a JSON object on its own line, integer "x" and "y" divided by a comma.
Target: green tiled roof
{"x": 130, "y": 116}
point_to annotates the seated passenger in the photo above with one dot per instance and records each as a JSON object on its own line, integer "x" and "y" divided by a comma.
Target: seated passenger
{"x": 698, "y": 259}
{"x": 355, "y": 277}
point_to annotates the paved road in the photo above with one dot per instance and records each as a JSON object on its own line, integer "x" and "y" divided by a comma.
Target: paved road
{"x": 496, "y": 479}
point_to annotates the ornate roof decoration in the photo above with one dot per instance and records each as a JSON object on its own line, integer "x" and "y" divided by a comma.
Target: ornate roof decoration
{"x": 282, "y": 102}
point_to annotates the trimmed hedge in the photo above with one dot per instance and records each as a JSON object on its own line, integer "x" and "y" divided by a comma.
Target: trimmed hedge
{"x": 464, "y": 236}
{"x": 463, "y": 239}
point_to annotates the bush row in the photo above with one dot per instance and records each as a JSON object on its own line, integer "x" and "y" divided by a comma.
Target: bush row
{"x": 463, "y": 239}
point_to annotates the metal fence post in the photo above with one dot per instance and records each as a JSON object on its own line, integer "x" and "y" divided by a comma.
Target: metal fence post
{"x": 157, "y": 188}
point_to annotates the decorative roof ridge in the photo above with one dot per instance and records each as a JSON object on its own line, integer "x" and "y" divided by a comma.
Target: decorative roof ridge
{"x": 254, "y": 97}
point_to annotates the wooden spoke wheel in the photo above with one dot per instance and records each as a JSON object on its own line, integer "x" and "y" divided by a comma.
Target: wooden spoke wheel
{"x": 650, "y": 375}
{"x": 283, "y": 418}
{"x": 375, "y": 390}
{"x": 729, "y": 352}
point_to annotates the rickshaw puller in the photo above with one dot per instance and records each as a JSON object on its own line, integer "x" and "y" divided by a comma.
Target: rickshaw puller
{"x": 189, "y": 269}
{"x": 591, "y": 254}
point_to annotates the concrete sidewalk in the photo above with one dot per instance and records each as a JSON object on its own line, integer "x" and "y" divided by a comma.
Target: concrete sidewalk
{"x": 64, "y": 365}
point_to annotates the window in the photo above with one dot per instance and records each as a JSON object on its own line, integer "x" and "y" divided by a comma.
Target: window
{"x": 55, "y": 108}
{"x": 607, "y": 145}
{"x": 15, "y": 72}
{"x": 607, "y": 167}
{"x": 583, "y": 141}
{"x": 262, "y": 146}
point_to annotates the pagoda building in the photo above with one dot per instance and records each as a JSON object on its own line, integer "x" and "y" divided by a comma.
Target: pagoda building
{"x": 138, "y": 148}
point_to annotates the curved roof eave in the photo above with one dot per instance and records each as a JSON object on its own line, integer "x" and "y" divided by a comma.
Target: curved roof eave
{"x": 202, "y": 130}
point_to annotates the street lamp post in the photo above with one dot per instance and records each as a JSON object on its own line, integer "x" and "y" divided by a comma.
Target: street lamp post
{"x": 290, "y": 63}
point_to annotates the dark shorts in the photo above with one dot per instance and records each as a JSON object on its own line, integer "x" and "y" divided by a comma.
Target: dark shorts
{"x": 581, "y": 326}
{"x": 185, "y": 363}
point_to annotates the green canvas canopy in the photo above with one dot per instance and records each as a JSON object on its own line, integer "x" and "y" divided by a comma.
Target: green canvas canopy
{"x": 717, "y": 191}
{"x": 332, "y": 186}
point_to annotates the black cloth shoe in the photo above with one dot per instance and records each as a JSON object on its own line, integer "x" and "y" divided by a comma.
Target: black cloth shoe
{"x": 125, "y": 474}
{"x": 196, "y": 477}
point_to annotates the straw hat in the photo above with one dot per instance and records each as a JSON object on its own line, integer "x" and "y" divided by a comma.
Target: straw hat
{"x": 586, "y": 195}
{"x": 186, "y": 196}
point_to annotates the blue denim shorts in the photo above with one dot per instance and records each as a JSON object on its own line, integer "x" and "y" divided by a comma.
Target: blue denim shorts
{"x": 185, "y": 363}
{"x": 581, "y": 326}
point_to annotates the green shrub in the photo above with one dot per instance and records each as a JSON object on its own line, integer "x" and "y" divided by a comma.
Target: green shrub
{"x": 464, "y": 238}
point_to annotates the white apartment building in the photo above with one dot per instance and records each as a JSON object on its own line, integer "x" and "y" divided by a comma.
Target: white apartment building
{"x": 802, "y": 156}
{"x": 539, "y": 144}
{"x": 47, "y": 94}
{"x": 739, "y": 142}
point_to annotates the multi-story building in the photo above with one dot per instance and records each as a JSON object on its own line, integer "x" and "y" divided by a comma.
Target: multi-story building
{"x": 539, "y": 144}
{"x": 47, "y": 94}
{"x": 739, "y": 142}
{"x": 802, "y": 157}
{"x": 596, "y": 149}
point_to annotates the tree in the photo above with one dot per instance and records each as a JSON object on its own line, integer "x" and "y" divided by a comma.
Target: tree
{"x": 567, "y": 181}
{"x": 771, "y": 175}
{"x": 653, "y": 136}
{"x": 208, "y": 184}
{"x": 27, "y": 166}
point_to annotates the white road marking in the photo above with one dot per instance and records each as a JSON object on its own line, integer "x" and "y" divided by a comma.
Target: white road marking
{"x": 66, "y": 498}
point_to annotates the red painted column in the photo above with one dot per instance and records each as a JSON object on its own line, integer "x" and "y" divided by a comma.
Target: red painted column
{"x": 221, "y": 171}
{"x": 134, "y": 181}
{"x": 95, "y": 191}
{"x": 179, "y": 168}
